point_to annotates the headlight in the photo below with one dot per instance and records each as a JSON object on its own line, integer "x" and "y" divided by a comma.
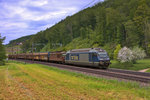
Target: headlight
{"x": 101, "y": 63}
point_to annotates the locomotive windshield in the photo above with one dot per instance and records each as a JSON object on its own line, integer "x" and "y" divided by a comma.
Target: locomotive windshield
{"x": 103, "y": 55}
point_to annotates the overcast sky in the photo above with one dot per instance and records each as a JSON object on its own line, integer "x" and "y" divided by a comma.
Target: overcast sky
{"x": 25, "y": 17}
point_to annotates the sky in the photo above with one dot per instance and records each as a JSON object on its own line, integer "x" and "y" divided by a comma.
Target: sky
{"x": 25, "y": 17}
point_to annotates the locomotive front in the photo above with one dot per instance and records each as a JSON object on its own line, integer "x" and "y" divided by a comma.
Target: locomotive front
{"x": 104, "y": 59}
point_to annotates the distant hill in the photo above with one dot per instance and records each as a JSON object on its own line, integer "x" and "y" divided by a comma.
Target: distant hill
{"x": 105, "y": 25}
{"x": 14, "y": 46}
{"x": 19, "y": 41}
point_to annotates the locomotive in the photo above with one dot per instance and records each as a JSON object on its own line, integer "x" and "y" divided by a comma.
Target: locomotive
{"x": 90, "y": 57}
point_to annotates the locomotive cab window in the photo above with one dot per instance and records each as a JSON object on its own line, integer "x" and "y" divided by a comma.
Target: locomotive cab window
{"x": 103, "y": 55}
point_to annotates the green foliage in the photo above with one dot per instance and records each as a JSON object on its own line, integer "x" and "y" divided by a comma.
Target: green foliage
{"x": 110, "y": 49}
{"x": 147, "y": 38}
{"x": 124, "y": 22}
{"x": 142, "y": 15}
{"x": 131, "y": 55}
{"x": 138, "y": 53}
{"x": 2, "y": 51}
{"x": 19, "y": 40}
{"x": 118, "y": 47}
{"x": 140, "y": 65}
{"x": 148, "y": 70}
{"x": 132, "y": 37}
{"x": 148, "y": 48}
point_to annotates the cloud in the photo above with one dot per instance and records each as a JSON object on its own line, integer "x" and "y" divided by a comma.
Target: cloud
{"x": 37, "y": 16}
{"x": 9, "y": 25}
{"x": 36, "y": 3}
{"x": 24, "y": 17}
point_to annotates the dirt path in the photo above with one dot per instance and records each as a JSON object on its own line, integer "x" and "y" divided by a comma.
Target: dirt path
{"x": 144, "y": 70}
{"x": 22, "y": 90}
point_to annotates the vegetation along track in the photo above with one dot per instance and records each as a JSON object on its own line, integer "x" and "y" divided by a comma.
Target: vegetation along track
{"x": 116, "y": 73}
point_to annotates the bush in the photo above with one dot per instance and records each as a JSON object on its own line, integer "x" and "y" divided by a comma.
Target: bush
{"x": 2, "y": 63}
{"x": 109, "y": 47}
{"x": 138, "y": 53}
{"x": 128, "y": 55}
{"x": 118, "y": 47}
{"x": 125, "y": 55}
{"x": 149, "y": 50}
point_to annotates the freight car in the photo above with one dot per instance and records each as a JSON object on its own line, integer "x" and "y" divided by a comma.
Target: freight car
{"x": 42, "y": 56}
{"x": 58, "y": 57}
{"x": 95, "y": 57}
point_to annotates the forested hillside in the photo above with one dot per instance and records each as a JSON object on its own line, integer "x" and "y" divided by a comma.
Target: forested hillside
{"x": 19, "y": 40}
{"x": 105, "y": 25}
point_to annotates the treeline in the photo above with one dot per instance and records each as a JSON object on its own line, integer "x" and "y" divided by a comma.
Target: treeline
{"x": 19, "y": 40}
{"x": 2, "y": 51}
{"x": 107, "y": 24}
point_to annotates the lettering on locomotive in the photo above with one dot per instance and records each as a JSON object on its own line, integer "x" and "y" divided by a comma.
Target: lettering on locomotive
{"x": 75, "y": 58}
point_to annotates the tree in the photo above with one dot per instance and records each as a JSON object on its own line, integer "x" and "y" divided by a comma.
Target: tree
{"x": 101, "y": 25}
{"x": 138, "y": 53}
{"x": 131, "y": 37}
{"x": 148, "y": 49}
{"x": 147, "y": 37}
{"x": 124, "y": 22}
{"x": 125, "y": 55}
{"x": 2, "y": 51}
{"x": 82, "y": 32}
{"x": 128, "y": 55}
{"x": 141, "y": 16}
{"x": 118, "y": 47}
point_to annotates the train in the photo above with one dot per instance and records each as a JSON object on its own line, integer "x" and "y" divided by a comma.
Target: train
{"x": 89, "y": 57}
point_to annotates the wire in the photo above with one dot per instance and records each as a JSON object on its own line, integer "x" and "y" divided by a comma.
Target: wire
{"x": 88, "y": 4}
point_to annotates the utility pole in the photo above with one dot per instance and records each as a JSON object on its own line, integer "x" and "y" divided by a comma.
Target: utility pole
{"x": 23, "y": 51}
{"x": 25, "y": 58}
{"x": 16, "y": 49}
{"x": 12, "y": 50}
{"x": 32, "y": 53}
{"x": 33, "y": 44}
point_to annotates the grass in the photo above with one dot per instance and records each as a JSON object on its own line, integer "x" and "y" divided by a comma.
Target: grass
{"x": 148, "y": 70}
{"x": 34, "y": 81}
{"x": 141, "y": 64}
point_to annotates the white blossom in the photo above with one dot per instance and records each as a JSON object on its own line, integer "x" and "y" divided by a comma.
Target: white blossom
{"x": 138, "y": 53}
{"x": 128, "y": 55}
{"x": 125, "y": 55}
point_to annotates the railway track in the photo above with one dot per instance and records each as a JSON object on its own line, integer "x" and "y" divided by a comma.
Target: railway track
{"x": 116, "y": 73}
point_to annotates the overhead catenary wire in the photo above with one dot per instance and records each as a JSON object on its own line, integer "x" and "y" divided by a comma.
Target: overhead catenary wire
{"x": 87, "y": 5}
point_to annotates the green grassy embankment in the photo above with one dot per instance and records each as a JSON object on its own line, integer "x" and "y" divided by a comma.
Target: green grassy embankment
{"x": 148, "y": 70}
{"x": 34, "y": 81}
{"x": 141, "y": 64}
